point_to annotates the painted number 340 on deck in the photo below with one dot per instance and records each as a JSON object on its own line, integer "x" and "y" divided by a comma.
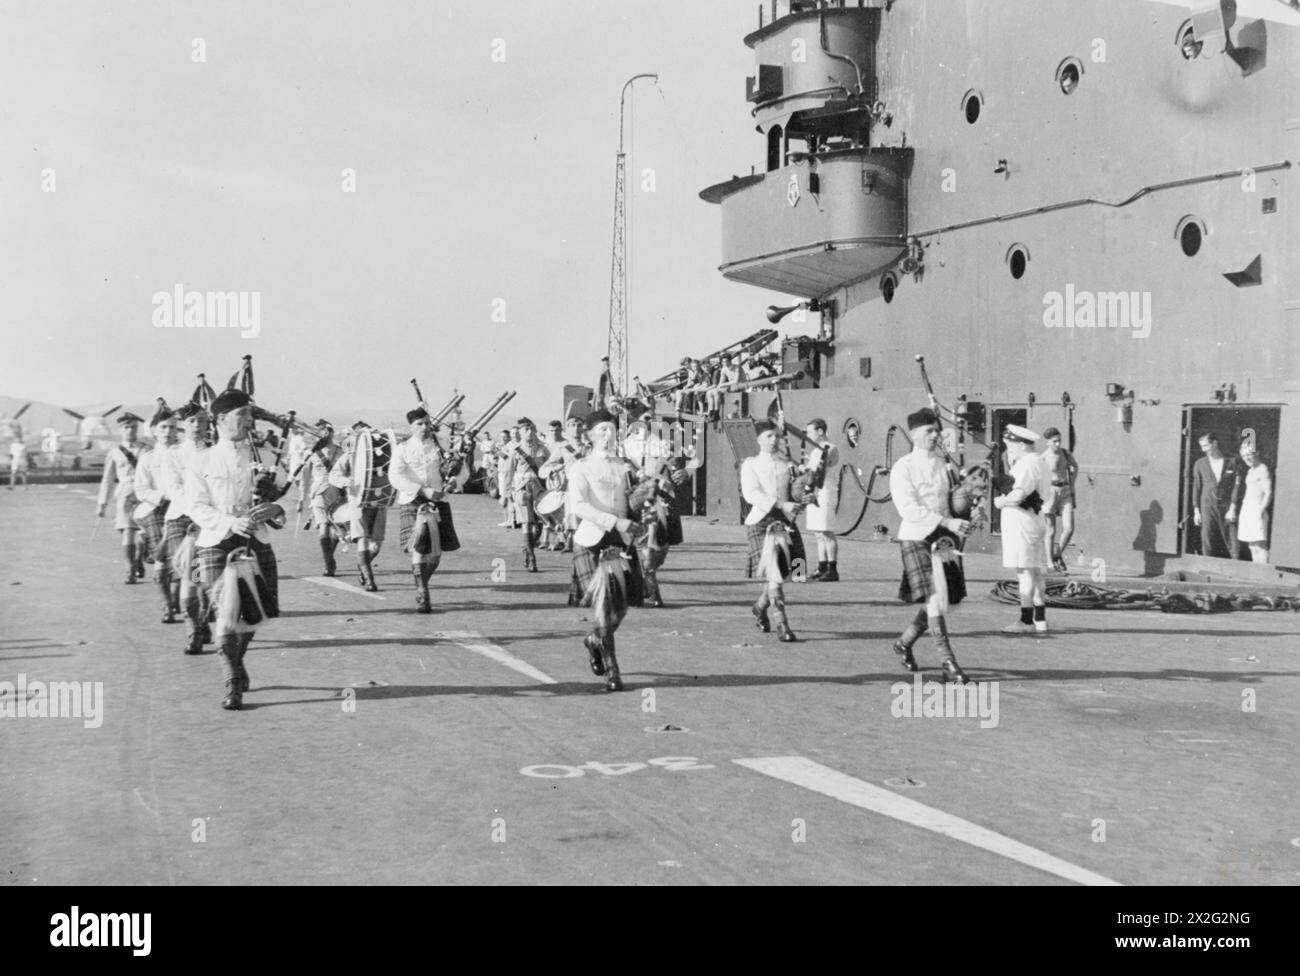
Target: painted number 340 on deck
{"x": 670, "y": 764}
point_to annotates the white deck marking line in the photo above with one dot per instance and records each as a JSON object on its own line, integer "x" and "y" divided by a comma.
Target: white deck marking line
{"x": 475, "y": 642}
{"x": 840, "y": 786}
{"x": 339, "y": 585}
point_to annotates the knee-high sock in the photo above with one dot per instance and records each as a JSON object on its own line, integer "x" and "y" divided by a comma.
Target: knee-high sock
{"x": 912, "y": 633}
{"x": 939, "y": 631}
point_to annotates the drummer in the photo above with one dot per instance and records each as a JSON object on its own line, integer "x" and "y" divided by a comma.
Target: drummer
{"x": 427, "y": 531}
{"x": 522, "y": 471}
{"x": 369, "y": 513}
{"x": 556, "y": 470}
{"x": 552, "y": 523}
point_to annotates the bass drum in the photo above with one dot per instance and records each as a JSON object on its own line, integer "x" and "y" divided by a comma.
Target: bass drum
{"x": 371, "y": 459}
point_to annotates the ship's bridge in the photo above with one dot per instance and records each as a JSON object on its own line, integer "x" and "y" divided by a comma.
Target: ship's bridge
{"x": 819, "y": 222}
{"x": 830, "y": 209}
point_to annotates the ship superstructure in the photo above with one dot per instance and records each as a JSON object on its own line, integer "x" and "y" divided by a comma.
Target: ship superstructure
{"x": 1082, "y": 215}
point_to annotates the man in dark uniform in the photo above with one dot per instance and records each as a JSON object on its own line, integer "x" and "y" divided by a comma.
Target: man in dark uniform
{"x": 1214, "y": 478}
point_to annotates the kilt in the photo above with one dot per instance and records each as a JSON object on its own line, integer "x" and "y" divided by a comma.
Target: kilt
{"x": 152, "y": 527}
{"x": 447, "y": 538}
{"x": 585, "y": 561}
{"x": 372, "y": 523}
{"x": 125, "y": 502}
{"x": 211, "y": 560}
{"x": 757, "y": 533}
{"x": 174, "y": 532}
{"x": 917, "y": 585}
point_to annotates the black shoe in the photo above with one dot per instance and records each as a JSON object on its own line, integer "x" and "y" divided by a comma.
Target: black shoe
{"x": 832, "y": 574}
{"x": 194, "y": 645}
{"x": 909, "y": 662}
{"x": 951, "y": 669}
{"x": 592, "y": 643}
{"x": 234, "y": 699}
{"x": 205, "y": 634}
{"x": 761, "y": 616}
{"x": 784, "y": 634}
{"x": 820, "y": 575}
{"x": 169, "y": 616}
{"x": 614, "y": 682}
{"x": 655, "y": 602}
{"x": 328, "y": 572}
{"x": 130, "y": 578}
{"x": 372, "y": 587}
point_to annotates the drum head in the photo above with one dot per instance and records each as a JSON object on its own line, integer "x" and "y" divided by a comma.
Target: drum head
{"x": 372, "y": 455}
{"x": 552, "y": 501}
{"x": 143, "y": 510}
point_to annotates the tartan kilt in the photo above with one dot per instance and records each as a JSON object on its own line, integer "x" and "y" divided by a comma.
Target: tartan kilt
{"x": 585, "y": 561}
{"x": 447, "y": 537}
{"x": 755, "y": 534}
{"x": 211, "y": 561}
{"x": 174, "y": 533}
{"x": 152, "y": 527}
{"x": 917, "y": 585}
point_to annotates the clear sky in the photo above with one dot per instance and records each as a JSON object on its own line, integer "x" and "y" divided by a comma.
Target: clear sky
{"x": 477, "y": 180}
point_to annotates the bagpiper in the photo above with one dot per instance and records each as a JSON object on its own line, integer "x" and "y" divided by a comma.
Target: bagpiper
{"x": 417, "y": 472}
{"x": 606, "y": 570}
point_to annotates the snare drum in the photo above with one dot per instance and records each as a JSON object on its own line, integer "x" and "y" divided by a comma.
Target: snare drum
{"x": 551, "y": 502}
{"x": 372, "y": 457}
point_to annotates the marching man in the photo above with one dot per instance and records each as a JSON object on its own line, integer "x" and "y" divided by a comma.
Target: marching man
{"x": 775, "y": 545}
{"x": 427, "y": 531}
{"x": 606, "y": 571}
{"x": 119, "y": 468}
{"x": 921, "y": 486}
{"x": 179, "y": 530}
{"x": 151, "y": 491}
{"x": 220, "y": 498}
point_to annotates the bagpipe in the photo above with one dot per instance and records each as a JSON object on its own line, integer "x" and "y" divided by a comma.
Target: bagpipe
{"x": 452, "y": 465}
{"x": 243, "y": 597}
{"x": 271, "y": 479}
{"x": 968, "y": 486}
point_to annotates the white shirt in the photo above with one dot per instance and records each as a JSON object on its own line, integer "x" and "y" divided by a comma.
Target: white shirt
{"x": 765, "y": 484}
{"x": 598, "y": 488}
{"x": 919, "y": 486}
{"x": 149, "y": 484}
{"x": 219, "y": 489}
{"x": 18, "y": 451}
{"x": 1216, "y": 465}
{"x": 175, "y": 461}
{"x": 416, "y": 465}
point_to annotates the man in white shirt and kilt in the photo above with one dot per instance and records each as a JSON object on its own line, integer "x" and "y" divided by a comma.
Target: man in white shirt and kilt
{"x": 920, "y": 484}
{"x": 426, "y": 526}
{"x": 606, "y": 570}
{"x": 656, "y": 464}
{"x": 151, "y": 493}
{"x": 776, "y": 548}
{"x": 224, "y": 498}
{"x": 179, "y": 530}
{"x": 119, "y": 467}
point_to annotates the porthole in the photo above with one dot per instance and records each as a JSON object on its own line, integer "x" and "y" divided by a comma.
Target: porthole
{"x": 888, "y": 284}
{"x": 1018, "y": 260}
{"x": 1188, "y": 45}
{"x": 971, "y": 104}
{"x": 1068, "y": 74}
{"x": 1190, "y": 234}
